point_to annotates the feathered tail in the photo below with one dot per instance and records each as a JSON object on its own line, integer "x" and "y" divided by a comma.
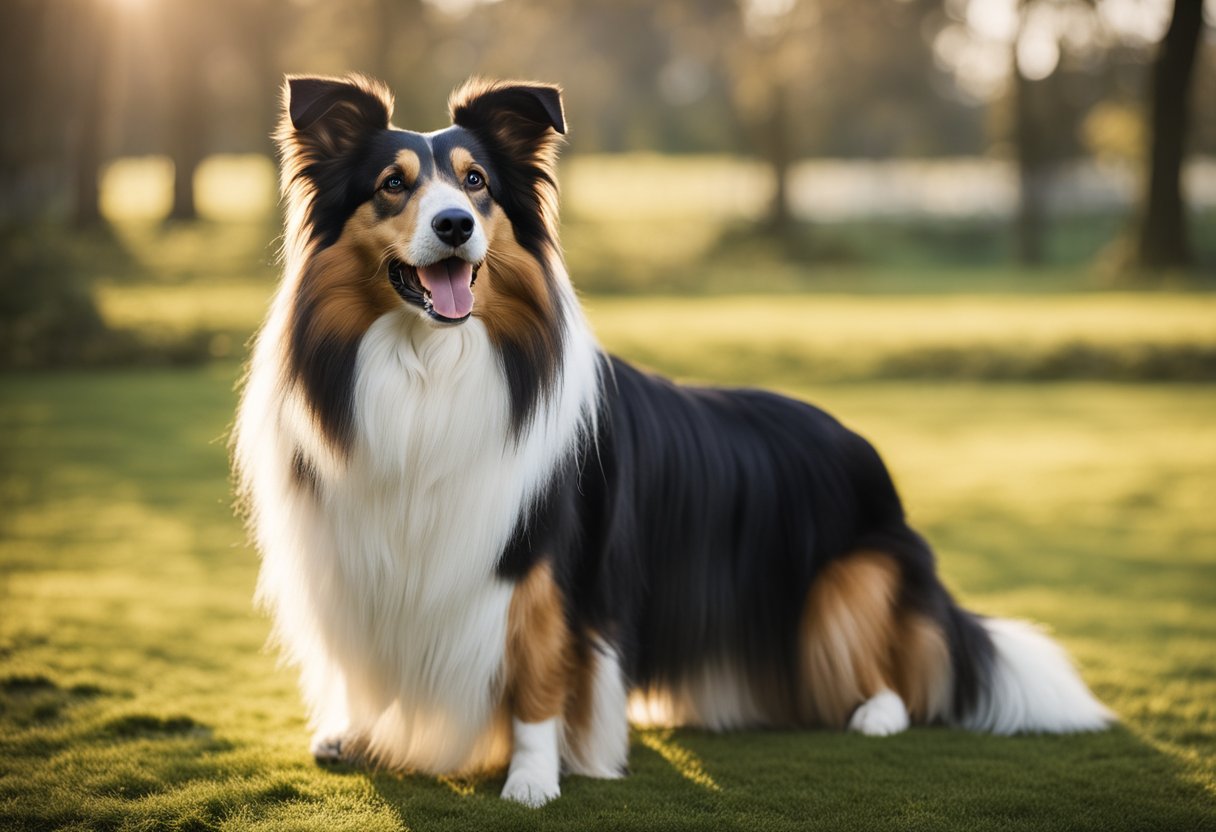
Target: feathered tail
{"x": 1028, "y": 684}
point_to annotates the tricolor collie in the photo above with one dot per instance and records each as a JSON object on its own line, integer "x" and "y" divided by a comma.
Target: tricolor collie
{"x": 485, "y": 540}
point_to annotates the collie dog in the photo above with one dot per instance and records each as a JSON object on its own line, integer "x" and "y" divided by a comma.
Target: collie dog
{"x": 485, "y": 541}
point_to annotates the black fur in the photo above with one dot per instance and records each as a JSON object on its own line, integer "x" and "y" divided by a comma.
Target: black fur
{"x": 514, "y": 123}
{"x": 325, "y": 367}
{"x": 690, "y": 528}
{"x": 691, "y": 531}
{"x": 518, "y": 126}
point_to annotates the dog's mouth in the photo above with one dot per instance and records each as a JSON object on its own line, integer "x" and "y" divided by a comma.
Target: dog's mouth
{"x": 444, "y": 290}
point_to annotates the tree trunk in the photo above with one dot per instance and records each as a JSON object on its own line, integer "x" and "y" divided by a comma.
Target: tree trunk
{"x": 1028, "y": 148}
{"x": 780, "y": 159}
{"x": 188, "y": 122}
{"x": 92, "y": 89}
{"x": 262, "y": 46}
{"x": 1163, "y": 233}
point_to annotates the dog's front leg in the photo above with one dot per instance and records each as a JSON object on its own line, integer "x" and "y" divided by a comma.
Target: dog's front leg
{"x": 533, "y": 777}
{"x": 538, "y": 670}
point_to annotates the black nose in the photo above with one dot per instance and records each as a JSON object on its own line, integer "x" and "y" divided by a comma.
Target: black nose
{"x": 453, "y": 226}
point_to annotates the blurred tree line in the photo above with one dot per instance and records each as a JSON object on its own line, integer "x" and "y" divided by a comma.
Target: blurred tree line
{"x": 1038, "y": 81}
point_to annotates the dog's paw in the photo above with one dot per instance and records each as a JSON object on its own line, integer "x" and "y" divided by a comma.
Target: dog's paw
{"x": 881, "y": 716}
{"x": 331, "y": 748}
{"x": 530, "y": 788}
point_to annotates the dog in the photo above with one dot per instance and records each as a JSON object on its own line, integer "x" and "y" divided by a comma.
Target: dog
{"x": 486, "y": 542}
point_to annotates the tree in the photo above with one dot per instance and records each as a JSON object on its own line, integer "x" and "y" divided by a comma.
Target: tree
{"x": 1029, "y": 155}
{"x": 187, "y": 112}
{"x": 779, "y": 60}
{"x": 92, "y": 59}
{"x": 1163, "y": 239}
{"x": 34, "y": 157}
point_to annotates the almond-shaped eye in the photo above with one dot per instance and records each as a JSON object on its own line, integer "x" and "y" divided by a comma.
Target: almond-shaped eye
{"x": 394, "y": 184}
{"x": 474, "y": 180}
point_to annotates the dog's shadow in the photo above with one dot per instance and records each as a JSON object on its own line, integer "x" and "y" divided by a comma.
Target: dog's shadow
{"x": 1113, "y": 780}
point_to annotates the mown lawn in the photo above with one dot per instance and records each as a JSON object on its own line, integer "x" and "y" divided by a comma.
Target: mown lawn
{"x": 135, "y": 692}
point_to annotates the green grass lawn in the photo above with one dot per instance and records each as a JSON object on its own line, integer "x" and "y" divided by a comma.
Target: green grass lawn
{"x": 135, "y": 692}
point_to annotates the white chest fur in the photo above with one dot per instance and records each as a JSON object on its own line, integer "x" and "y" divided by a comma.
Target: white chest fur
{"x": 383, "y": 577}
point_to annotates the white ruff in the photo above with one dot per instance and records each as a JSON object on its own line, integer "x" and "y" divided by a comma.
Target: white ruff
{"x": 382, "y": 583}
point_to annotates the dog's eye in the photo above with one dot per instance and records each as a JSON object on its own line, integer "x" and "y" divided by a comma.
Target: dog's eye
{"x": 474, "y": 181}
{"x": 395, "y": 184}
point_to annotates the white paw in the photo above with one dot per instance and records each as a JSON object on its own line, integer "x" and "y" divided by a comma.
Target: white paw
{"x": 881, "y": 716}
{"x": 330, "y": 748}
{"x": 530, "y": 788}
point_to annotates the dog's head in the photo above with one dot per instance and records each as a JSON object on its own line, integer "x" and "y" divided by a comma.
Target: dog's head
{"x": 420, "y": 217}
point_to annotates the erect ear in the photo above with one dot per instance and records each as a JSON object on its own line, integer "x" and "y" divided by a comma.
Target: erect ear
{"x": 520, "y": 124}
{"x": 328, "y": 116}
{"x": 522, "y": 119}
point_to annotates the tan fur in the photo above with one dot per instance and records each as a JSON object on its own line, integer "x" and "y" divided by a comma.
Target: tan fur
{"x": 513, "y": 296}
{"x": 539, "y": 653}
{"x": 922, "y": 668}
{"x": 848, "y": 630}
{"x": 410, "y": 164}
{"x": 580, "y": 692}
{"x": 346, "y": 281}
{"x": 856, "y": 641}
{"x": 461, "y": 160}
{"x": 395, "y": 230}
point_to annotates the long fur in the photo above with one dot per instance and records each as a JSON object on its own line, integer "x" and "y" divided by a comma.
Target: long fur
{"x": 728, "y": 558}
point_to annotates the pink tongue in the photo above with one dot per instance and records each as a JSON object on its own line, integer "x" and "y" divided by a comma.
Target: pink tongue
{"x": 449, "y": 282}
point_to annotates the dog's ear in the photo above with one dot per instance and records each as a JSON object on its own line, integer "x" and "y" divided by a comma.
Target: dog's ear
{"x": 521, "y": 125}
{"x": 327, "y": 117}
{"x": 523, "y": 121}
{"x": 509, "y": 111}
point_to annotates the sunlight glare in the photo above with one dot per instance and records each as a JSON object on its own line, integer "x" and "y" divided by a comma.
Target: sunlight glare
{"x": 687, "y": 764}
{"x": 131, "y": 5}
{"x": 459, "y": 8}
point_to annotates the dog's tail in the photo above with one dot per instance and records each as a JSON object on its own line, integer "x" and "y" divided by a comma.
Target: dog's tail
{"x": 1004, "y": 676}
{"x": 1026, "y": 683}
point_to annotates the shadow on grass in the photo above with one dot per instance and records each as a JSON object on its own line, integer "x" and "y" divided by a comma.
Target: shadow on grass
{"x": 31, "y": 700}
{"x": 930, "y": 778}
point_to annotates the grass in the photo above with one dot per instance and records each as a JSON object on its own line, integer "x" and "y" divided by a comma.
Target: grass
{"x": 135, "y": 692}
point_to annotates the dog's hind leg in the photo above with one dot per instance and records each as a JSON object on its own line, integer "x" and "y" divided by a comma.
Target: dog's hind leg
{"x": 848, "y": 632}
{"x": 848, "y": 627}
{"x": 869, "y": 664}
{"x": 881, "y": 715}
{"x": 538, "y": 668}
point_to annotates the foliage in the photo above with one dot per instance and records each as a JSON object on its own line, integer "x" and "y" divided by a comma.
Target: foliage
{"x": 46, "y": 312}
{"x": 50, "y": 318}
